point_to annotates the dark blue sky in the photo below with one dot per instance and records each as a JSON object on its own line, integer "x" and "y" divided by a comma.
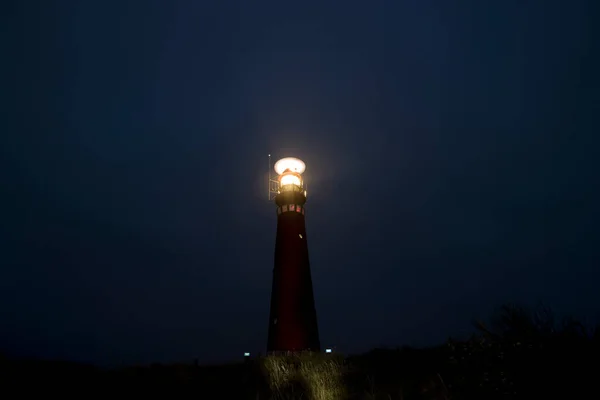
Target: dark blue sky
{"x": 452, "y": 158}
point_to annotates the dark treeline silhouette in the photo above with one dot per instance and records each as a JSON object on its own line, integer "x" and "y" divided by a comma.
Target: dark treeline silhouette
{"x": 518, "y": 354}
{"x": 525, "y": 354}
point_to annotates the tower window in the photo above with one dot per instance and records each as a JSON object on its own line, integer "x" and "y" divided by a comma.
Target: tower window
{"x": 292, "y": 207}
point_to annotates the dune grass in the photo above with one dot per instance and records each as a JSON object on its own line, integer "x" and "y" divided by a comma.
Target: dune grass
{"x": 306, "y": 375}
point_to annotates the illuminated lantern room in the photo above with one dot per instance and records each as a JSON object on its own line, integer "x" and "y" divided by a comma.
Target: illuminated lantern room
{"x": 289, "y": 178}
{"x": 290, "y": 171}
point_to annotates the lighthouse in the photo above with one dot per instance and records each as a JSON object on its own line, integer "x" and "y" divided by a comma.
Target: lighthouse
{"x": 293, "y": 317}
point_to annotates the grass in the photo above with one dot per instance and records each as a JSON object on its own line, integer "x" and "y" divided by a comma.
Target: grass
{"x": 307, "y": 375}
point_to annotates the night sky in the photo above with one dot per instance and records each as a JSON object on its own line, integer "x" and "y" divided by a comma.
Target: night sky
{"x": 452, "y": 156}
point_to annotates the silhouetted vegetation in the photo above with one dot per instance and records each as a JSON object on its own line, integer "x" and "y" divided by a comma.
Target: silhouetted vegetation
{"x": 523, "y": 354}
{"x": 518, "y": 354}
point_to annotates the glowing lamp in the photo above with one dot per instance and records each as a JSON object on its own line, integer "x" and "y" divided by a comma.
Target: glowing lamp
{"x": 290, "y": 178}
{"x": 290, "y": 171}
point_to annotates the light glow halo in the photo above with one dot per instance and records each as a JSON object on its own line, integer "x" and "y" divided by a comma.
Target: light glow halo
{"x": 290, "y": 163}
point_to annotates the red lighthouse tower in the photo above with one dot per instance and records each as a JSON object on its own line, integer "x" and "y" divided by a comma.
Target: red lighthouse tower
{"x": 293, "y": 317}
